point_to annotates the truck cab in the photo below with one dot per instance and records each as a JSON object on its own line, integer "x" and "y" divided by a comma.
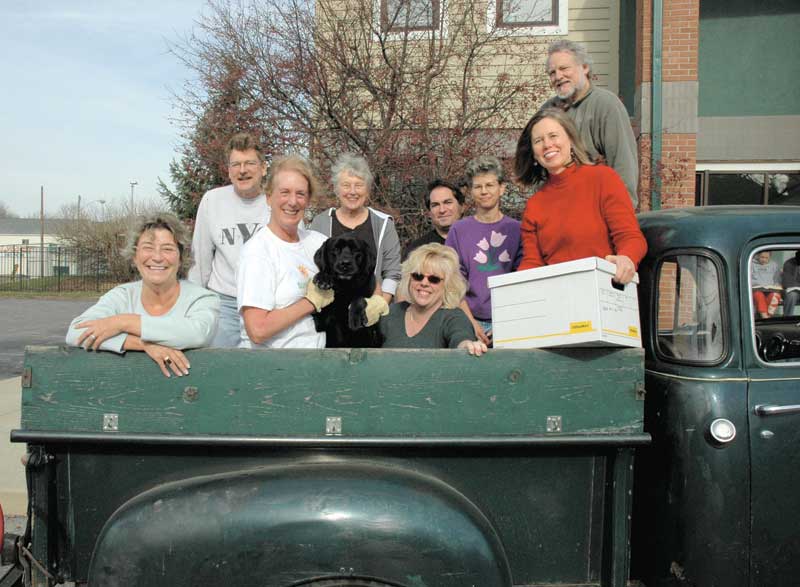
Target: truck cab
{"x": 716, "y": 492}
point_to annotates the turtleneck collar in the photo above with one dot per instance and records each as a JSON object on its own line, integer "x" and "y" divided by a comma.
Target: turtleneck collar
{"x": 564, "y": 175}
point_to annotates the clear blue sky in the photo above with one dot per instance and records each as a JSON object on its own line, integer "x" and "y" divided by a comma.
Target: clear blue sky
{"x": 86, "y": 98}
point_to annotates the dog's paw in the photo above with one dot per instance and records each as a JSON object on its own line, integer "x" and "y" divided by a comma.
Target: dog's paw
{"x": 356, "y": 314}
{"x": 323, "y": 281}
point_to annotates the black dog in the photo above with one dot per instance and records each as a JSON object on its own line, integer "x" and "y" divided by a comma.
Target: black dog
{"x": 347, "y": 264}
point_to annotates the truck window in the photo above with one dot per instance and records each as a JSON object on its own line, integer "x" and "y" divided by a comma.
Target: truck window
{"x": 774, "y": 283}
{"x": 689, "y": 312}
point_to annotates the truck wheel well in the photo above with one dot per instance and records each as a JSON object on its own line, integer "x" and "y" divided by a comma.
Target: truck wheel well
{"x": 346, "y": 582}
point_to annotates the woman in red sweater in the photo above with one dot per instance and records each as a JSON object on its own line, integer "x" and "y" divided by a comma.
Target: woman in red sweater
{"x": 582, "y": 210}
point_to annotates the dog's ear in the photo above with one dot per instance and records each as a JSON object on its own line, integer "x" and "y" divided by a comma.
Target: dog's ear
{"x": 323, "y": 278}
{"x": 321, "y": 257}
{"x": 369, "y": 257}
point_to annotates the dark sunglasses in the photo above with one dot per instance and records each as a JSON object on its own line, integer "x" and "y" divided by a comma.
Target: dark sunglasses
{"x": 432, "y": 279}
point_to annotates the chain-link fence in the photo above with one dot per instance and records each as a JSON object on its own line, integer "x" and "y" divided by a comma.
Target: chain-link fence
{"x": 54, "y": 268}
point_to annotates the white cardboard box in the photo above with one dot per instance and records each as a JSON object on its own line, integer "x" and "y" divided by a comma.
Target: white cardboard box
{"x": 567, "y": 304}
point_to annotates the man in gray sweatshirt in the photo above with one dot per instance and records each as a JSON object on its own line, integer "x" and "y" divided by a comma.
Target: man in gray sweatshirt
{"x": 226, "y": 219}
{"x": 601, "y": 118}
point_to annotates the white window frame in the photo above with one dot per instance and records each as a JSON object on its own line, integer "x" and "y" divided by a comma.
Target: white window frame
{"x": 561, "y": 28}
{"x": 440, "y": 29}
{"x": 742, "y": 167}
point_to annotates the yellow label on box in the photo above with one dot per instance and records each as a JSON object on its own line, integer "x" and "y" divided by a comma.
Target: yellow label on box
{"x": 585, "y": 326}
{"x": 633, "y": 331}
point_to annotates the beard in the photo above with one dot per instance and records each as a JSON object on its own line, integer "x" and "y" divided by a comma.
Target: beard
{"x": 574, "y": 88}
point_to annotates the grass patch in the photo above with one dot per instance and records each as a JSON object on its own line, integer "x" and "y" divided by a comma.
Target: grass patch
{"x": 54, "y": 287}
{"x": 50, "y": 295}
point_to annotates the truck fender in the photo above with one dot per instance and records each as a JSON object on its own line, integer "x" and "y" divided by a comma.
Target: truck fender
{"x": 283, "y": 525}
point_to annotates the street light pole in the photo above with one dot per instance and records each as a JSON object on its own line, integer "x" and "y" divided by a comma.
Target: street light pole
{"x": 101, "y": 202}
{"x": 133, "y": 184}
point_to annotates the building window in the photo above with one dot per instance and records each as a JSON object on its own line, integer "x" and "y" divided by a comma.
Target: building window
{"x": 398, "y": 16}
{"x": 733, "y": 187}
{"x": 528, "y": 17}
{"x": 526, "y": 12}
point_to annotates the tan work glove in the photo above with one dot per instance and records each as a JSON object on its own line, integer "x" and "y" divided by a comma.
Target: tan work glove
{"x": 318, "y": 297}
{"x": 376, "y": 307}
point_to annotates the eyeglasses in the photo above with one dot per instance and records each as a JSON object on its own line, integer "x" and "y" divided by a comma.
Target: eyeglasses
{"x": 356, "y": 187}
{"x": 149, "y": 249}
{"x": 432, "y": 279}
{"x": 250, "y": 164}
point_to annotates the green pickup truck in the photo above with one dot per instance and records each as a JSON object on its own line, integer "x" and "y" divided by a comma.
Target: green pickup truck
{"x": 376, "y": 468}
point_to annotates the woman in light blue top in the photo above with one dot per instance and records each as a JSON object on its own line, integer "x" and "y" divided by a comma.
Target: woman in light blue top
{"x": 161, "y": 314}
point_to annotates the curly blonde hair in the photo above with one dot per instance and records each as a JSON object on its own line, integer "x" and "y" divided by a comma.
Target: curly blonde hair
{"x": 165, "y": 221}
{"x": 440, "y": 260}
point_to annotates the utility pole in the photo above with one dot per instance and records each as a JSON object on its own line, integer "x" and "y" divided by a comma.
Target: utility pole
{"x": 41, "y": 234}
{"x": 79, "y": 206}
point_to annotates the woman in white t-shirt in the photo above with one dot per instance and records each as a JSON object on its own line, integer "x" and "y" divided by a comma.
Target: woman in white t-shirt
{"x": 275, "y": 293}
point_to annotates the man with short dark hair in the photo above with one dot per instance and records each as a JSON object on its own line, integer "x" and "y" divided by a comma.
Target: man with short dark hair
{"x": 601, "y": 118}
{"x": 226, "y": 219}
{"x": 445, "y": 203}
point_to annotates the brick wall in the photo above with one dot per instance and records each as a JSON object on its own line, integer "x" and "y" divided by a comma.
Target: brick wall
{"x": 679, "y": 64}
{"x": 644, "y": 41}
{"x": 681, "y": 26}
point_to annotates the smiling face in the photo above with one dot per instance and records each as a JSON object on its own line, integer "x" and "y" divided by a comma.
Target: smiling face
{"x": 287, "y": 201}
{"x": 246, "y": 172}
{"x": 486, "y": 191}
{"x": 157, "y": 257}
{"x": 552, "y": 148}
{"x": 425, "y": 294}
{"x": 444, "y": 208}
{"x": 568, "y": 78}
{"x": 352, "y": 192}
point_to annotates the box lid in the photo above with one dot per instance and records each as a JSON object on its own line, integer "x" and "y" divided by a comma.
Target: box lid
{"x": 577, "y": 266}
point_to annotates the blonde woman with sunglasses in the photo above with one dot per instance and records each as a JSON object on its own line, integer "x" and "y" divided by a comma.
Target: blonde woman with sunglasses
{"x": 432, "y": 284}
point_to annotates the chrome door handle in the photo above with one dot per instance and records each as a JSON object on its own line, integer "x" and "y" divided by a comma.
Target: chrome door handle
{"x": 767, "y": 410}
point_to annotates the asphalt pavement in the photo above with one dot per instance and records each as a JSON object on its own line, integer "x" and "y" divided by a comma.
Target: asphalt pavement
{"x": 33, "y": 322}
{"x": 24, "y": 322}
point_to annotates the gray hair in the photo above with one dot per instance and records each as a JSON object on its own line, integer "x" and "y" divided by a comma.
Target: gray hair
{"x": 165, "y": 221}
{"x": 353, "y": 165}
{"x": 578, "y": 51}
{"x": 485, "y": 164}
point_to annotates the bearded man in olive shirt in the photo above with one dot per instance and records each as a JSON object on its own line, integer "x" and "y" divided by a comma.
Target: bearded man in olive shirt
{"x": 602, "y": 121}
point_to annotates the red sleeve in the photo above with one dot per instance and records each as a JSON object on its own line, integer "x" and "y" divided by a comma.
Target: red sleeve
{"x": 531, "y": 254}
{"x": 617, "y": 209}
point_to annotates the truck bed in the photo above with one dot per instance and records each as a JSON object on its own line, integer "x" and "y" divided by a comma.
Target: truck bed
{"x": 537, "y": 447}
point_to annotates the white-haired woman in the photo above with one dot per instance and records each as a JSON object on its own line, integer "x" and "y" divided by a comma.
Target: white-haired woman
{"x": 431, "y": 318}
{"x": 161, "y": 314}
{"x": 352, "y": 183}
